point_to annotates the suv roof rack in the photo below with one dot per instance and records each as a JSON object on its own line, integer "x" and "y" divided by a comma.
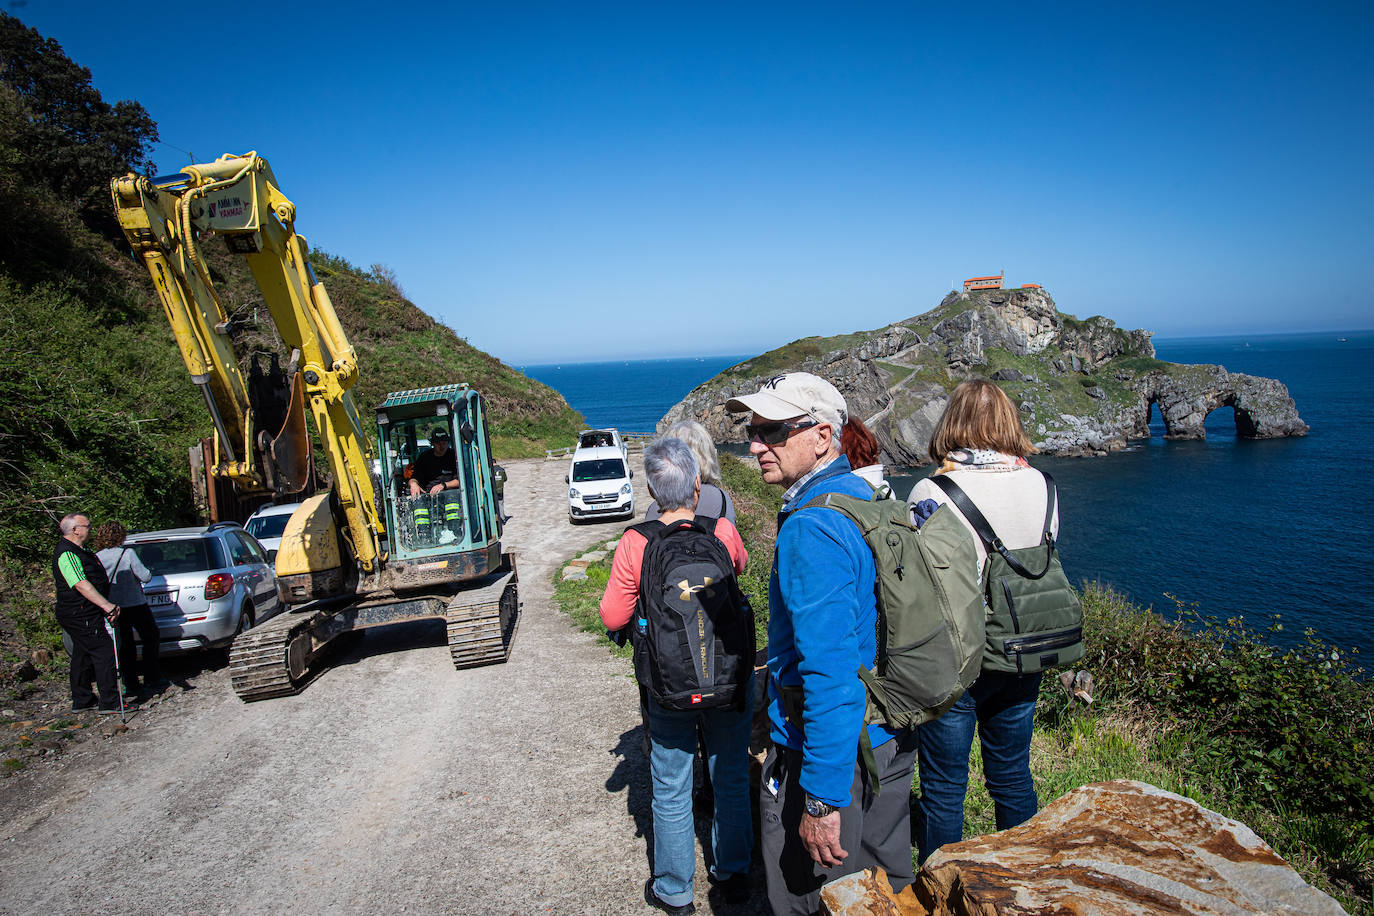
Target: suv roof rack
{"x": 218, "y": 525}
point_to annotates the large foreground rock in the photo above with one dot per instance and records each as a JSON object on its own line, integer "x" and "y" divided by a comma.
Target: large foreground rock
{"x": 1118, "y": 848}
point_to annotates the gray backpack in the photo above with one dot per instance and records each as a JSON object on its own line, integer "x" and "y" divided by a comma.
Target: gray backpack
{"x": 1035, "y": 620}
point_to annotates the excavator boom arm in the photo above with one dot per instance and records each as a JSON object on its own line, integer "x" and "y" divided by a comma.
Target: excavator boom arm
{"x": 238, "y": 197}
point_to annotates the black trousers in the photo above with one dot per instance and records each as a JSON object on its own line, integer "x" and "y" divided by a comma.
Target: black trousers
{"x": 138, "y": 617}
{"x": 874, "y": 829}
{"x": 92, "y": 656}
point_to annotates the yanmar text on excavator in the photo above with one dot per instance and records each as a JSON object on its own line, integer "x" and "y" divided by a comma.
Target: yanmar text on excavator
{"x": 340, "y": 566}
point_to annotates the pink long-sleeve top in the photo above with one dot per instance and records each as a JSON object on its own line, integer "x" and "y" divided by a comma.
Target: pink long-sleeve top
{"x": 622, "y": 591}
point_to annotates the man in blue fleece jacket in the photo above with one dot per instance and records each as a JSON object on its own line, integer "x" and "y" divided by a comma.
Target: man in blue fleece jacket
{"x": 821, "y": 817}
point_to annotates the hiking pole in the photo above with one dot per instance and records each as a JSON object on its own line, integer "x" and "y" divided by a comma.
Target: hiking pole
{"x": 119, "y": 675}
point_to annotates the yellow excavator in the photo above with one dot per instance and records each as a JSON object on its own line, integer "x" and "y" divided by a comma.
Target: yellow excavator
{"x": 340, "y": 566}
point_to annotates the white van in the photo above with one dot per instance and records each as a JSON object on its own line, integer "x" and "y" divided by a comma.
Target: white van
{"x": 598, "y": 438}
{"x": 267, "y": 524}
{"x": 599, "y": 484}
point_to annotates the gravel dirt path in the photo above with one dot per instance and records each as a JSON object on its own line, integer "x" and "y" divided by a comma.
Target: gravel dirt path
{"x": 392, "y": 783}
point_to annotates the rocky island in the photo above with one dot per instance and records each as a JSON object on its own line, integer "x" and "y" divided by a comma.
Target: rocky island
{"x": 1084, "y": 387}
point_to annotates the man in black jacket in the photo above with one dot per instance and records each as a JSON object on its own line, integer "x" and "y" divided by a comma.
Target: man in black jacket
{"x": 436, "y": 469}
{"x": 82, "y": 610}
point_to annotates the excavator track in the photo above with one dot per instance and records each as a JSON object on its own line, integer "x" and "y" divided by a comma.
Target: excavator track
{"x": 259, "y": 666}
{"x": 482, "y": 621}
{"x": 275, "y": 659}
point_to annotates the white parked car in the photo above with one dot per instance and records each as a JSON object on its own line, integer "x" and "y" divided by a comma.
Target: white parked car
{"x": 599, "y": 484}
{"x": 267, "y": 523}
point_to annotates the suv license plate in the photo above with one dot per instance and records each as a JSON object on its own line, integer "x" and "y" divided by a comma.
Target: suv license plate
{"x": 161, "y": 599}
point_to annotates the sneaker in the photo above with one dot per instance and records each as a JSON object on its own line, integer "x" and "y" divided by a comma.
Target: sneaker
{"x": 115, "y": 710}
{"x": 85, "y": 706}
{"x": 734, "y": 889}
{"x": 687, "y": 909}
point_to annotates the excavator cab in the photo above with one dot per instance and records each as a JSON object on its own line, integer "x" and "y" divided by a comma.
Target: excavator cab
{"x": 437, "y": 476}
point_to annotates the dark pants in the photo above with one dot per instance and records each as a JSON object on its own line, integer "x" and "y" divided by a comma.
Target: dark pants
{"x": 92, "y": 656}
{"x": 874, "y": 829}
{"x": 138, "y": 617}
{"x": 1002, "y": 706}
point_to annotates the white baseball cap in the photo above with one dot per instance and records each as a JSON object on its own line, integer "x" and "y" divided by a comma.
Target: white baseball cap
{"x": 783, "y": 397}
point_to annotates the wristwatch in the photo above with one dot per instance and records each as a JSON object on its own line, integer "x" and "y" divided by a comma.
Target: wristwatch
{"x": 817, "y": 808}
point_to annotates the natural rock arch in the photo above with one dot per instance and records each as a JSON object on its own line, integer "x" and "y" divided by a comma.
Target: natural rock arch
{"x": 1263, "y": 408}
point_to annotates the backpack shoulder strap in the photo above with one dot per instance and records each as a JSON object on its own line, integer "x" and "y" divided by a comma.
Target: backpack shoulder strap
{"x": 651, "y": 530}
{"x": 991, "y": 541}
{"x": 842, "y": 503}
{"x": 1051, "y": 493}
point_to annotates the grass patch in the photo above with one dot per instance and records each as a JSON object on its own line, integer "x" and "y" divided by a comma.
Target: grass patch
{"x": 13, "y": 764}
{"x": 894, "y": 372}
{"x": 580, "y": 599}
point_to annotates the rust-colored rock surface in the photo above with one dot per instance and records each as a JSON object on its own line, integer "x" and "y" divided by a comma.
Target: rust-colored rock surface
{"x": 868, "y": 893}
{"x": 1121, "y": 848}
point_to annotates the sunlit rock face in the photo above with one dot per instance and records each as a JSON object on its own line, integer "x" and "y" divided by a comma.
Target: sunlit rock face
{"x": 1083, "y": 387}
{"x": 1121, "y": 848}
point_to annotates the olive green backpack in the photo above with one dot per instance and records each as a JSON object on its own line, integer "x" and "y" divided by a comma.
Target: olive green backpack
{"x": 1035, "y": 620}
{"x": 930, "y": 608}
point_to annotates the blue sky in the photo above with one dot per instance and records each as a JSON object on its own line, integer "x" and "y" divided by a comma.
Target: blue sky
{"x": 568, "y": 182}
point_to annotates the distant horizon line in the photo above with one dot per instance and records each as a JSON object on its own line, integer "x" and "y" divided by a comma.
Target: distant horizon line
{"x": 742, "y": 357}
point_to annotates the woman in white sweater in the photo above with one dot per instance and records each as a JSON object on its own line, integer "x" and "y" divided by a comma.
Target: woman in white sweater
{"x": 979, "y": 443}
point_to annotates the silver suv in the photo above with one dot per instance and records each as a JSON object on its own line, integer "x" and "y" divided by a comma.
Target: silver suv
{"x": 209, "y": 584}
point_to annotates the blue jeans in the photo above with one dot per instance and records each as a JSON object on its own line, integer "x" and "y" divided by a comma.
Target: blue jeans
{"x": 673, "y": 737}
{"x": 1002, "y": 706}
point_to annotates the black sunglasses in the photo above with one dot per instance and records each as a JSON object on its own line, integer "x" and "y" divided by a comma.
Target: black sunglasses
{"x": 777, "y": 431}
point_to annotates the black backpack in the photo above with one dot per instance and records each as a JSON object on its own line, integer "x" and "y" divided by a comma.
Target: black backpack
{"x": 1035, "y": 620}
{"x": 694, "y": 628}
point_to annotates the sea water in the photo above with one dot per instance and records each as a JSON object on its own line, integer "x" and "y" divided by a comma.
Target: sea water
{"x": 631, "y": 395}
{"x": 1235, "y": 527}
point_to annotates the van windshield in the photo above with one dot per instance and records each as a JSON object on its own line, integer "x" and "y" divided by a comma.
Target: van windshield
{"x": 598, "y": 469}
{"x": 596, "y": 439}
{"x": 267, "y": 526}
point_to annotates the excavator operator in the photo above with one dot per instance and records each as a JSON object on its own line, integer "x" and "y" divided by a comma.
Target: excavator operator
{"x": 436, "y": 468}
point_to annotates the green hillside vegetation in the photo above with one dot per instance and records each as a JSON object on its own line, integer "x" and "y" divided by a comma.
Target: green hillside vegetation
{"x": 96, "y": 408}
{"x": 1282, "y": 741}
{"x": 784, "y": 358}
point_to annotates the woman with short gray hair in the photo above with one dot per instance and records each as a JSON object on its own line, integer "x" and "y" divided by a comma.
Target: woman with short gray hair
{"x": 714, "y": 502}
{"x": 675, "y": 483}
{"x": 673, "y": 474}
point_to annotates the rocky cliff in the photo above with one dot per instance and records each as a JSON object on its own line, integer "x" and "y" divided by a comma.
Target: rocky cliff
{"x": 1084, "y": 387}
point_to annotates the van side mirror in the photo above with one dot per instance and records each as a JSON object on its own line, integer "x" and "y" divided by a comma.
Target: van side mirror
{"x": 565, "y": 479}
{"x": 632, "y": 473}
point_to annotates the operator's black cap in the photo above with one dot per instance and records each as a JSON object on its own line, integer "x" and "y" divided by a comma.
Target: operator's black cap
{"x": 439, "y": 434}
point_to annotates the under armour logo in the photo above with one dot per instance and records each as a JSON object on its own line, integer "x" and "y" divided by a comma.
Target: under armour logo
{"x": 774, "y": 381}
{"x": 689, "y": 590}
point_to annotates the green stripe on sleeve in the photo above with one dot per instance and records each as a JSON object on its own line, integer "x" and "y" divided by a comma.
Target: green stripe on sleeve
{"x": 70, "y": 566}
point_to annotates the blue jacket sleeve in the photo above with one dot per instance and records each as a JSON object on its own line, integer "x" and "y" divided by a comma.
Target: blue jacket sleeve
{"x": 818, "y": 576}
